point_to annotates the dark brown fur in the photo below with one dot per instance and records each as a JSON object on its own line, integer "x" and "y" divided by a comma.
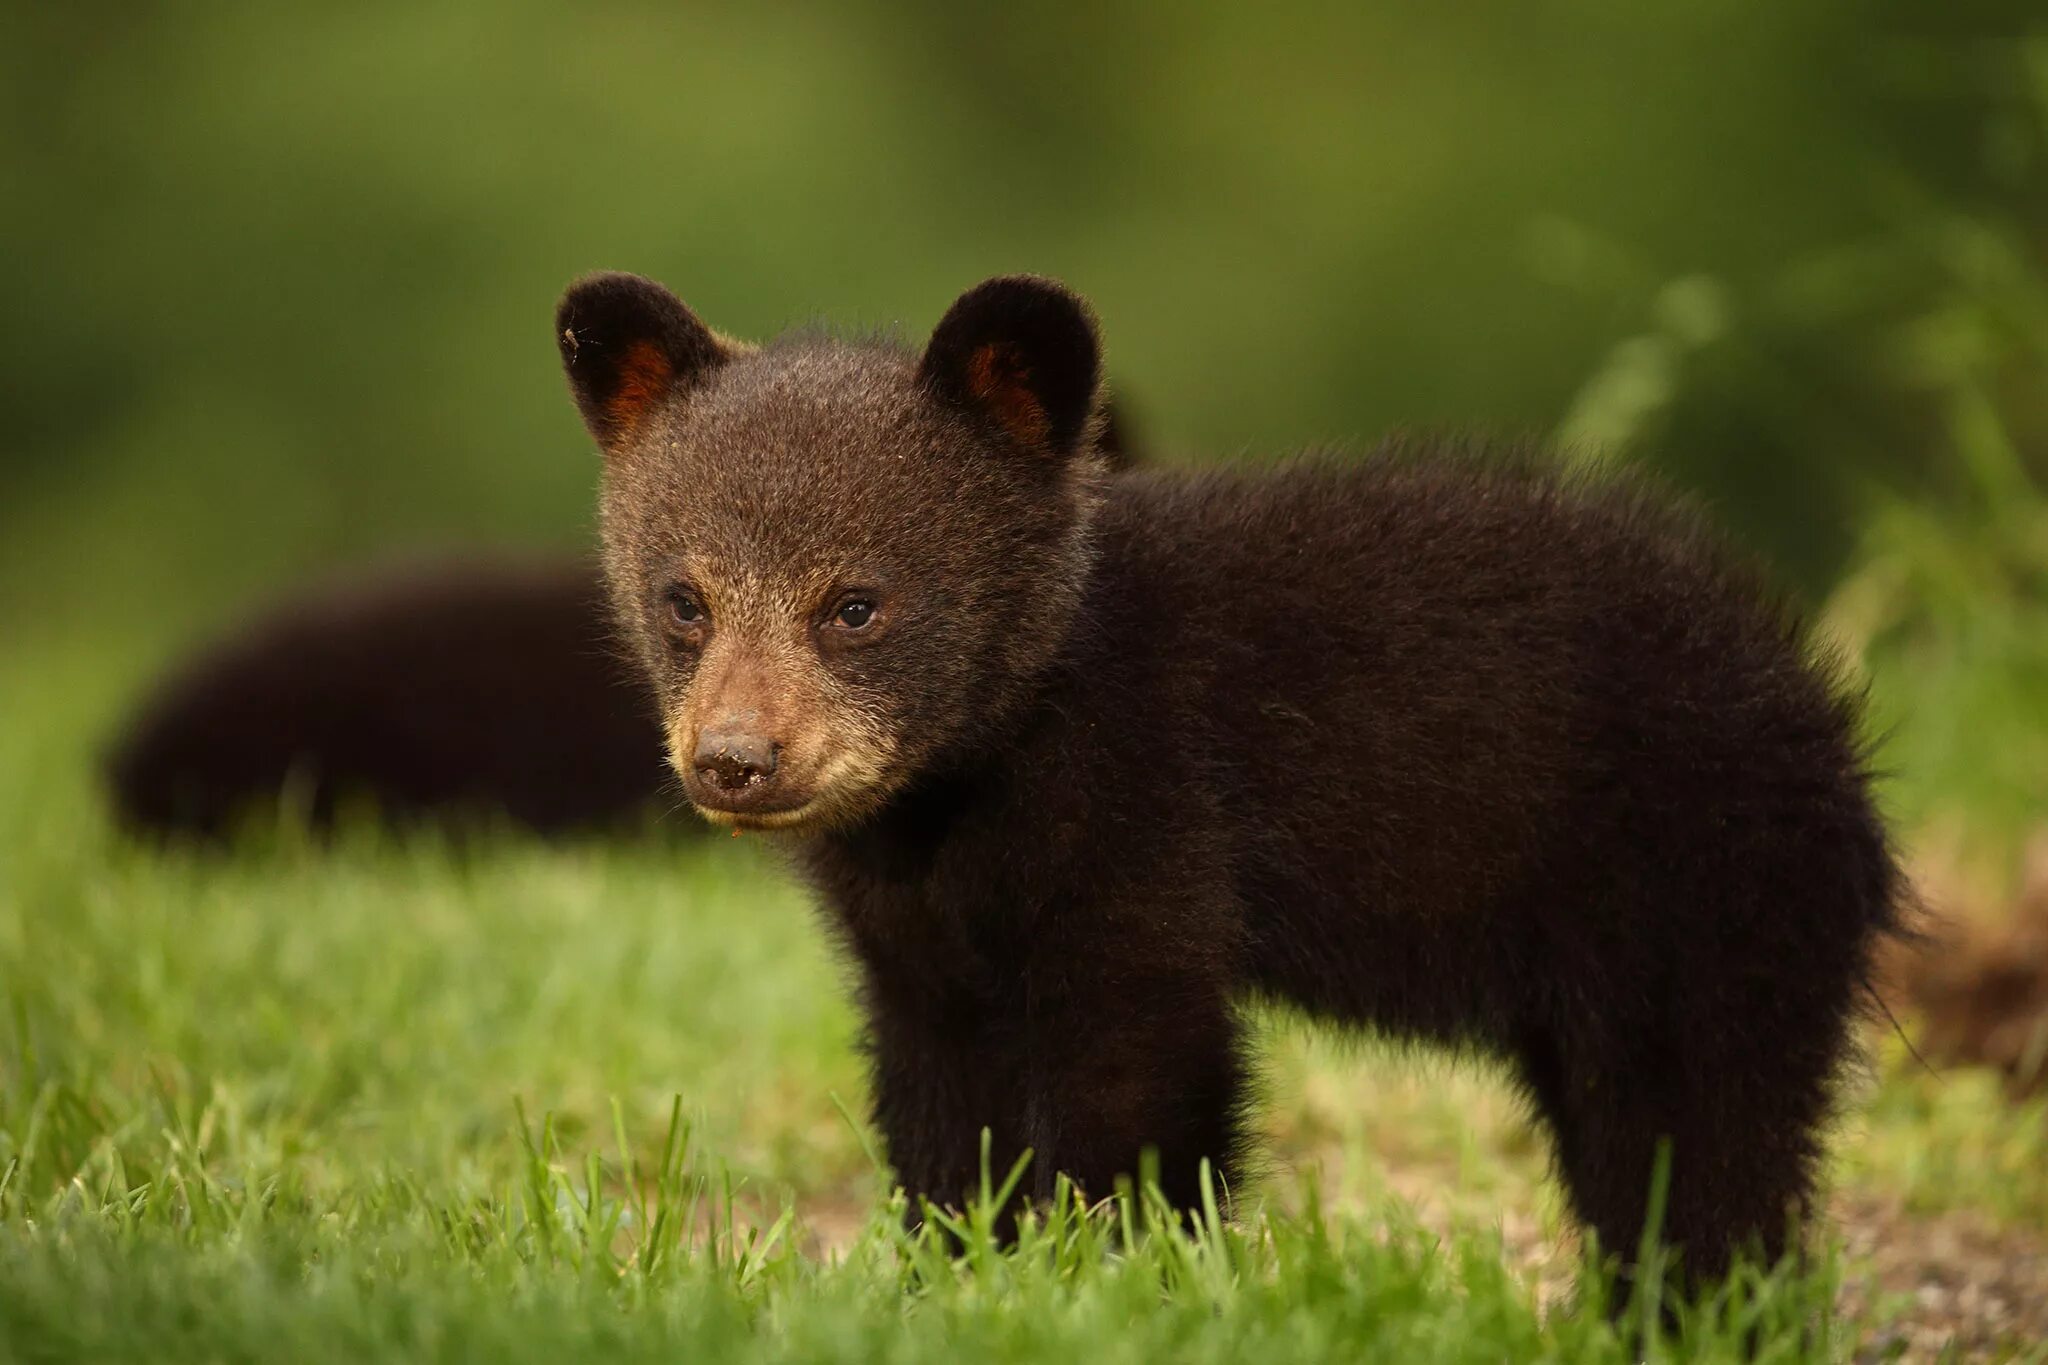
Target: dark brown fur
{"x": 454, "y": 690}
{"x": 1430, "y": 742}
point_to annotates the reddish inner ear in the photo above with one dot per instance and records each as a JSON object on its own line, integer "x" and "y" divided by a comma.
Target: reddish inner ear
{"x": 644, "y": 379}
{"x": 1000, "y": 381}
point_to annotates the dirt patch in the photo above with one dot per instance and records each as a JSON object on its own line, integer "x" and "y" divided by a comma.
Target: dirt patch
{"x": 1958, "y": 1282}
{"x": 1980, "y": 983}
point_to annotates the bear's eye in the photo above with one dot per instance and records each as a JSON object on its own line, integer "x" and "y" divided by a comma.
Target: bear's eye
{"x": 684, "y": 611}
{"x": 853, "y": 613}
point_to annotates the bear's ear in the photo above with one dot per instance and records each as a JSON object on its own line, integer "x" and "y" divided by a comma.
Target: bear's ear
{"x": 1021, "y": 352}
{"x": 628, "y": 344}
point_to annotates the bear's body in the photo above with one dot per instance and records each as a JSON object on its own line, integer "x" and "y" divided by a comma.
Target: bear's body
{"x": 1079, "y": 760}
{"x": 1459, "y": 756}
{"x": 456, "y": 691}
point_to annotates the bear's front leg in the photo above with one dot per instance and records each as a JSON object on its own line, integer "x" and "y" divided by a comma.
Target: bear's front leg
{"x": 1129, "y": 1056}
{"x": 1087, "y": 1066}
{"x": 939, "y": 1079}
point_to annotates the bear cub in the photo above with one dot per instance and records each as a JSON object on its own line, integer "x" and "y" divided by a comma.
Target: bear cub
{"x": 1079, "y": 760}
{"x": 458, "y": 692}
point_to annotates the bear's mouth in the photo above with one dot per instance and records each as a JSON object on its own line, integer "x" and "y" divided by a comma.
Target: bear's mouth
{"x": 761, "y": 817}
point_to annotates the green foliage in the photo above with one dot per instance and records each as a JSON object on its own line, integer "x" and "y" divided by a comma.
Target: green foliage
{"x": 1898, "y": 376}
{"x": 1947, "y": 607}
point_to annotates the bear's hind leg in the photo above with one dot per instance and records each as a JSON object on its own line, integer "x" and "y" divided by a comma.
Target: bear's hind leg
{"x": 1701, "y": 993}
{"x": 1742, "y": 1133}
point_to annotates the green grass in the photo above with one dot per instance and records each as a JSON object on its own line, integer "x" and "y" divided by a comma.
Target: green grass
{"x": 412, "y": 1099}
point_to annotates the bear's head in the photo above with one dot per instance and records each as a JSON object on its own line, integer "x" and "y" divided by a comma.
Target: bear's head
{"x": 839, "y": 562}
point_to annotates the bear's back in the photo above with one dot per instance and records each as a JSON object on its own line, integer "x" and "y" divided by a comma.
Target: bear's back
{"x": 1431, "y": 689}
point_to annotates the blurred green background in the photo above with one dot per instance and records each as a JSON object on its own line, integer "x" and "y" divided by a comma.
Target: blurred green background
{"x": 278, "y": 277}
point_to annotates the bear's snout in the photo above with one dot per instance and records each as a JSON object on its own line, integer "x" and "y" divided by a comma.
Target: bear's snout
{"x": 732, "y": 761}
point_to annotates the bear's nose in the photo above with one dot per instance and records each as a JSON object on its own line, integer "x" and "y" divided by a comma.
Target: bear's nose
{"x": 733, "y": 762}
